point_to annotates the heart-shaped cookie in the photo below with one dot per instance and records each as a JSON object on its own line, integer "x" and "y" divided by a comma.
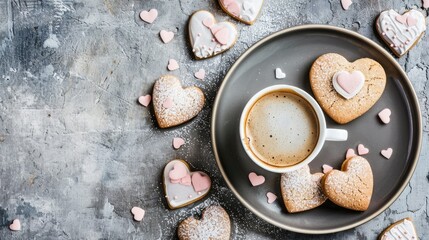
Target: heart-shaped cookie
{"x": 339, "y": 108}
{"x": 401, "y": 32}
{"x": 302, "y": 190}
{"x": 209, "y": 38}
{"x": 246, "y": 11}
{"x": 174, "y": 105}
{"x": 403, "y": 230}
{"x": 214, "y": 224}
{"x": 352, "y": 186}
{"x": 183, "y": 187}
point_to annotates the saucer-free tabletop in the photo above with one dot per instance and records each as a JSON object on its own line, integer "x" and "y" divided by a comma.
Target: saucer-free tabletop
{"x": 77, "y": 151}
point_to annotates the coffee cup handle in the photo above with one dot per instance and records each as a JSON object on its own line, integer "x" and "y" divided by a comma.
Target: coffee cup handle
{"x": 336, "y": 134}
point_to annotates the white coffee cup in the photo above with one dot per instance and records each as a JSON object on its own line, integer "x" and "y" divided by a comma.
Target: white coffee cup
{"x": 298, "y": 117}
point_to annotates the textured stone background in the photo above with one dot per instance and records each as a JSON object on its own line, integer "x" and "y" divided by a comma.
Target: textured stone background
{"x": 77, "y": 151}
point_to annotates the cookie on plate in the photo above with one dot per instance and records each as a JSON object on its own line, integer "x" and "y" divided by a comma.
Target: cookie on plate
{"x": 302, "y": 190}
{"x": 401, "y": 32}
{"x": 173, "y": 104}
{"x": 208, "y": 37}
{"x": 403, "y": 229}
{"x": 352, "y": 186}
{"x": 183, "y": 187}
{"x": 214, "y": 225}
{"x": 346, "y": 90}
{"x": 246, "y": 11}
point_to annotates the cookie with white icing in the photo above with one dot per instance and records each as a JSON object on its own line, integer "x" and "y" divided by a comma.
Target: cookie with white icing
{"x": 400, "y": 230}
{"x": 208, "y": 37}
{"x": 173, "y": 104}
{"x": 352, "y": 186}
{"x": 214, "y": 225}
{"x": 183, "y": 187}
{"x": 346, "y": 90}
{"x": 401, "y": 32}
{"x": 301, "y": 190}
{"x": 246, "y": 11}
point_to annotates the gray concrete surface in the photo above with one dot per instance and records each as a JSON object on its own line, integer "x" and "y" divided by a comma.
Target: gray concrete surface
{"x": 77, "y": 151}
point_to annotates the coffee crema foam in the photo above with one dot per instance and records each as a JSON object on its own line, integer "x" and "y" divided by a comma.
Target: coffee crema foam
{"x": 282, "y": 129}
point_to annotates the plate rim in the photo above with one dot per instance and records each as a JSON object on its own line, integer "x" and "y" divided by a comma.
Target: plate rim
{"x": 358, "y": 36}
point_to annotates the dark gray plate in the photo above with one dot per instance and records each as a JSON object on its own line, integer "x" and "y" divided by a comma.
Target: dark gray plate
{"x": 294, "y": 50}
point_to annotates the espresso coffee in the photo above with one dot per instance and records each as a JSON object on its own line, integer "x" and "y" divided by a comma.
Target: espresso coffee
{"x": 282, "y": 129}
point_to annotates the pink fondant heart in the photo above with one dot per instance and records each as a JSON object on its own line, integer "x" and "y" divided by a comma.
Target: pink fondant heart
{"x": 256, "y": 180}
{"x": 200, "y": 182}
{"x": 401, "y": 18}
{"x": 166, "y": 36}
{"x": 145, "y": 100}
{"x": 208, "y": 22}
{"x": 178, "y": 172}
{"x": 271, "y": 197}
{"x": 387, "y": 153}
{"x": 350, "y": 82}
{"x": 172, "y": 65}
{"x": 168, "y": 103}
{"x": 346, "y": 4}
{"x": 233, "y": 8}
{"x": 326, "y": 168}
{"x": 362, "y": 150}
{"x": 411, "y": 21}
{"x": 200, "y": 74}
{"x": 15, "y": 226}
{"x": 150, "y": 16}
{"x": 138, "y": 213}
{"x": 384, "y": 115}
{"x": 186, "y": 180}
{"x": 222, "y": 36}
{"x": 350, "y": 153}
{"x": 178, "y": 142}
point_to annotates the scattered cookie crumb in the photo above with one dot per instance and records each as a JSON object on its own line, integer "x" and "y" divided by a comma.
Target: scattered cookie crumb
{"x": 279, "y": 73}
{"x": 138, "y": 213}
{"x": 387, "y": 153}
{"x": 362, "y": 150}
{"x": 271, "y": 197}
{"x": 145, "y": 100}
{"x": 256, "y": 179}
{"x": 178, "y": 142}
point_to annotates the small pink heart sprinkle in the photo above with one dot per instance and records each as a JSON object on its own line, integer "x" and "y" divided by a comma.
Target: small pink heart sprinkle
{"x": 15, "y": 226}
{"x": 200, "y": 74}
{"x": 138, "y": 213}
{"x": 150, "y": 16}
{"x": 326, "y": 168}
{"x": 166, "y": 36}
{"x": 384, "y": 115}
{"x": 426, "y": 3}
{"x": 178, "y": 142}
{"x": 168, "y": 103}
{"x": 346, "y": 4}
{"x": 208, "y": 22}
{"x": 172, "y": 65}
{"x": 401, "y": 18}
{"x": 271, "y": 197}
{"x": 411, "y": 21}
{"x": 256, "y": 180}
{"x": 145, "y": 100}
{"x": 350, "y": 153}
{"x": 200, "y": 182}
{"x": 362, "y": 150}
{"x": 387, "y": 153}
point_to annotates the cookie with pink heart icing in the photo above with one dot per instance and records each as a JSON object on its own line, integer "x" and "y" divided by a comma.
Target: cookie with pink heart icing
{"x": 182, "y": 186}
{"x": 173, "y": 104}
{"x": 246, "y": 11}
{"x": 401, "y": 230}
{"x": 208, "y": 37}
{"x": 346, "y": 90}
{"x": 401, "y": 32}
